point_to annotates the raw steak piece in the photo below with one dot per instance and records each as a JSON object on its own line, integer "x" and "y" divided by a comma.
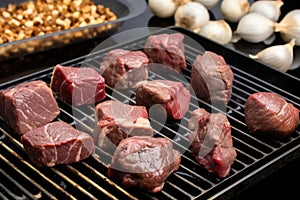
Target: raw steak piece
{"x": 211, "y": 141}
{"x": 117, "y": 121}
{"x": 123, "y": 69}
{"x": 267, "y": 113}
{"x": 173, "y": 96}
{"x": 28, "y": 105}
{"x": 144, "y": 162}
{"x": 78, "y": 85}
{"x": 212, "y": 78}
{"x": 57, "y": 143}
{"x": 166, "y": 49}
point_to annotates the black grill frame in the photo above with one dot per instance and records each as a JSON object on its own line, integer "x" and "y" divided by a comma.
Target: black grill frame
{"x": 257, "y": 156}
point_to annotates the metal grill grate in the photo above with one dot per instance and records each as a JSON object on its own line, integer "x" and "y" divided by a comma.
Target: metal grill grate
{"x": 20, "y": 179}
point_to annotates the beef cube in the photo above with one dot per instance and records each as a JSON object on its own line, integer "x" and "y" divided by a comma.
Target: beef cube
{"x": 28, "y": 106}
{"x": 78, "y": 86}
{"x": 123, "y": 69}
{"x": 57, "y": 143}
{"x": 117, "y": 121}
{"x": 211, "y": 141}
{"x": 144, "y": 162}
{"x": 212, "y": 78}
{"x": 171, "y": 95}
{"x": 166, "y": 49}
{"x": 269, "y": 114}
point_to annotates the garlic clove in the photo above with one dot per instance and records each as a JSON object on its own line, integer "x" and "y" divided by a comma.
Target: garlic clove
{"x": 296, "y": 61}
{"x": 209, "y": 4}
{"x": 255, "y": 27}
{"x": 289, "y": 26}
{"x": 234, "y": 10}
{"x": 162, "y": 9}
{"x": 217, "y": 30}
{"x": 235, "y": 38}
{"x": 279, "y": 57}
{"x": 191, "y": 15}
{"x": 270, "y": 9}
{"x": 270, "y": 39}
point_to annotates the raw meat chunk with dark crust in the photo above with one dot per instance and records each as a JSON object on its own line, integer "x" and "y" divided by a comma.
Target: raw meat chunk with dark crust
{"x": 211, "y": 141}
{"x": 267, "y": 113}
{"x": 123, "y": 69}
{"x": 117, "y": 121}
{"x": 212, "y": 78}
{"x": 172, "y": 95}
{"x": 166, "y": 49}
{"x": 144, "y": 162}
{"x": 57, "y": 143}
{"x": 78, "y": 85}
{"x": 28, "y": 105}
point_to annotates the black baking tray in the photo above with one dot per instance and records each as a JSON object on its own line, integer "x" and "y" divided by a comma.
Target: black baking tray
{"x": 124, "y": 9}
{"x": 257, "y": 157}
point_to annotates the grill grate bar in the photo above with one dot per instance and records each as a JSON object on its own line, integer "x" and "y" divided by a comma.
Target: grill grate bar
{"x": 237, "y": 102}
{"x": 108, "y": 180}
{"x": 179, "y": 189}
{"x": 247, "y": 144}
{"x": 170, "y": 196}
{"x": 21, "y": 188}
{"x": 91, "y": 182}
{"x": 260, "y": 87}
{"x": 78, "y": 121}
{"x": 74, "y": 184}
{"x": 258, "y": 80}
{"x": 2, "y": 196}
{"x": 195, "y": 174}
{"x": 185, "y": 180}
{"x": 25, "y": 176}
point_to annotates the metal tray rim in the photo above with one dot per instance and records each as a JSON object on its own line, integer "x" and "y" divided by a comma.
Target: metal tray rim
{"x": 135, "y": 8}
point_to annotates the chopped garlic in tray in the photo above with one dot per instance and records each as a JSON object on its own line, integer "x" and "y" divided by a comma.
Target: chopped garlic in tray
{"x": 34, "y": 18}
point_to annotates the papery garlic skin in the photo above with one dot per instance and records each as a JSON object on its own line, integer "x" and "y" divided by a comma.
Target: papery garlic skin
{"x": 217, "y": 30}
{"x": 255, "y": 27}
{"x": 162, "y": 8}
{"x": 209, "y": 4}
{"x": 270, "y": 9}
{"x": 191, "y": 15}
{"x": 289, "y": 26}
{"x": 234, "y": 10}
{"x": 279, "y": 57}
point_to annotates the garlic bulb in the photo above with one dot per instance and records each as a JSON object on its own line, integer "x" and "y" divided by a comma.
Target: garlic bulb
{"x": 162, "y": 9}
{"x": 234, "y": 10}
{"x": 270, "y": 9}
{"x": 217, "y": 30}
{"x": 209, "y": 4}
{"x": 289, "y": 26}
{"x": 255, "y": 27}
{"x": 191, "y": 15}
{"x": 279, "y": 57}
